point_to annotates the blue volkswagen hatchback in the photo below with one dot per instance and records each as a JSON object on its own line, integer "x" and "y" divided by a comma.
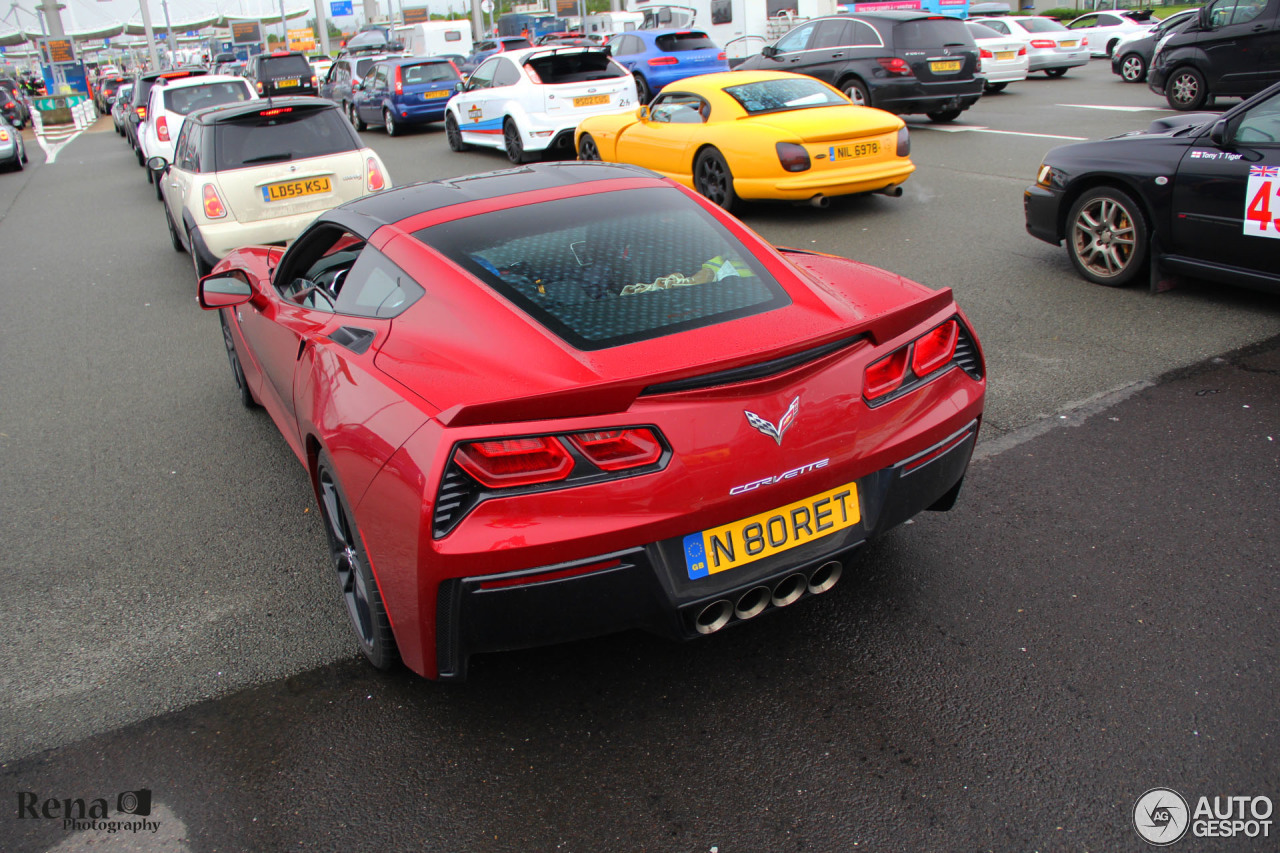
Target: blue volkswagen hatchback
{"x": 657, "y": 58}
{"x": 403, "y": 91}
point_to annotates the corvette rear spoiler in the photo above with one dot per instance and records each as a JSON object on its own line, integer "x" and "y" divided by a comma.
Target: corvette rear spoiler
{"x": 614, "y": 396}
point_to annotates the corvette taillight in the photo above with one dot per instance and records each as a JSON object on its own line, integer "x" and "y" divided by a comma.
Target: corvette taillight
{"x": 934, "y": 349}
{"x": 213, "y": 206}
{"x": 375, "y": 181}
{"x": 515, "y": 461}
{"x": 618, "y": 449}
{"x": 924, "y": 356}
{"x": 162, "y": 129}
{"x": 794, "y": 158}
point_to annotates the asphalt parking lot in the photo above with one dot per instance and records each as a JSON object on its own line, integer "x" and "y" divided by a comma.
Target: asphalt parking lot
{"x": 1092, "y": 620}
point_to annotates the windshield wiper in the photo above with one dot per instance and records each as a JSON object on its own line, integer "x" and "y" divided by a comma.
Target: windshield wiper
{"x": 269, "y": 158}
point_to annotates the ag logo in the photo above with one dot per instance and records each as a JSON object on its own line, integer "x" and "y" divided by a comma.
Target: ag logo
{"x": 475, "y": 113}
{"x": 1161, "y": 816}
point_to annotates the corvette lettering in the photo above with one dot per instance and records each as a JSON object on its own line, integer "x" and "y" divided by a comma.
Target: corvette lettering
{"x": 787, "y": 475}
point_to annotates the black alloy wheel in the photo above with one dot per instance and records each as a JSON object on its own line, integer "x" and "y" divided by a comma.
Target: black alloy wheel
{"x": 712, "y": 178}
{"x": 643, "y": 93}
{"x": 587, "y": 149}
{"x": 512, "y": 143}
{"x": 1107, "y": 236}
{"x": 359, "y": 590}
{"x": 237, "y": 372}
{"x": 453, "y": 133}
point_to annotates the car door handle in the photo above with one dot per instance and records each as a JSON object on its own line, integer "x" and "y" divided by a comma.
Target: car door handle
{"x": 837, "y": 55}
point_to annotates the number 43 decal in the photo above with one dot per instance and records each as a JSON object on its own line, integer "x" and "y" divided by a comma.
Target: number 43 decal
{"x": 1262, "y": 202}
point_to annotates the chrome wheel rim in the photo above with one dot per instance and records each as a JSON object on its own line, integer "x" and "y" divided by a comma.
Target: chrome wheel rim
{"x": 346, "y": 560}
{"x": 1131, "y": 68}
{"x": 855, "y": 94}
{"x": 1104, "y": 238}
{"x": 1185, "y": 88}
{"x": 389, "y": 122}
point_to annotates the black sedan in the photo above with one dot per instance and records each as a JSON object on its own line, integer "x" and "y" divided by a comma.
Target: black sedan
{"x": 1195, "y": 194}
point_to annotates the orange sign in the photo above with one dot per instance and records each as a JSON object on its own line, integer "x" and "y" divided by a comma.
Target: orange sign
{"x": 417, "y": 16}
{"x": 303, "y": 39}
{"x": 60, "y": 51}
{"x": 246, "y": 32}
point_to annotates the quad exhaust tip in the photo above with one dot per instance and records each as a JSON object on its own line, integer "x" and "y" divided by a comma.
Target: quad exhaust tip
{"x": 824, "y": 577}
{"x": 714, "y": 616}
{"x": 789, "y": 590}
{"x": 756, "y": 600}
{"x": 752, "y": 602}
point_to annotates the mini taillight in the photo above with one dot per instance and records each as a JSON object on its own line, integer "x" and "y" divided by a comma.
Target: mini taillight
{"x": 399, "y": 81}
{"x": 515, "y": 461}
{"x": 213, "y": 207}
{"x": 895, "y": 65}
{"x": 258, "y": 83}
{"x": 375, "y": 179}
{"x": 794, "y": 158}
{"x": 986, "y": 54}
{"x": 617, "y": 449}
{"x": 934, "y": 349}
{"x": 162, "y": 129}
{"x": 885, "y": 375}
{"x": 4, "y": 135}
{"x": 664, "y": 60}
{"x": 1043, "y": 43}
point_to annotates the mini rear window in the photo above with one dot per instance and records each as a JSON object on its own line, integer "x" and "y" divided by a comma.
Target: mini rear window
{"x": 771, "y": 96}
{"x": 613, "y": 268}
{"x": 428, "y": 72}
{"x": 926, "y": 33}
{"x": 190, "y": 98}
{"x": 684, "y": 41}
{"x": 285, "y": 66}
{"x": 575, "y": 67}
{"x": 284, "y": 134}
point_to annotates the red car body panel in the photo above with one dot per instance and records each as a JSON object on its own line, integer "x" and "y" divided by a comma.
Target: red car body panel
{"x": 464, "y": 364}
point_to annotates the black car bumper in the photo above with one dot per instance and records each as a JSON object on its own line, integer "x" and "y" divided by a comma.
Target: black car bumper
{"x": 912, "y": 96}
{"x": 649, "y": 587}
{"x": 1042, "y": 209}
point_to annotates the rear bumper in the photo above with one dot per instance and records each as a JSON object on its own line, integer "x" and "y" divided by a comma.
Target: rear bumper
{"x": 1054, "y": 59}
{"x": 649, "y": 588}
{"x": 912, "y": 96}
{"x": 419, "y": 113}
{"x": 831, "y": 182}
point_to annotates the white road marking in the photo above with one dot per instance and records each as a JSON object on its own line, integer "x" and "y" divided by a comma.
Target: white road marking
{"x": 973, "y": 128}
{"x": 1118, "y": 109}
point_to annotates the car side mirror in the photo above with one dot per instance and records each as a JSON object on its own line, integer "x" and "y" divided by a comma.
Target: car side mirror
{"x": 768, "y": 51}
{"x": 643, "y": 113}
{"x": 157, "y": 164}
{"x": 1205, "y": 18}
{"x": 223, "y": 291}
{"x": 1219, "y": 133}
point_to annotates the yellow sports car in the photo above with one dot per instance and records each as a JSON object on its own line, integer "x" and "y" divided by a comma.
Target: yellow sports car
{"x": 756, "y": 134}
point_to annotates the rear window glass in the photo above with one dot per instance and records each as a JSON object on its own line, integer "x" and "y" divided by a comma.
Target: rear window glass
{"x": 771, "y": 96}
{"x": 979, "y": 31}
{"x": 610, "y": 269}
{"x": 190, "y": 98}
{"x": 427, "y": 72}
{"x": 255, "y": 140}
{"x": 1040, "y": 25}
{"x": 285, "y": 66}
{"x": 363, "y": 66}
{"x": 574, "y": 67}
{"x": 515, "y": 44}
{"x": 684, "y": 41}
{"x": 931, "y": 32}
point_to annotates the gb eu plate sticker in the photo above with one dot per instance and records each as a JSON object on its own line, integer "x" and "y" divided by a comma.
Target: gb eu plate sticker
{"x": 1262, "y": 202}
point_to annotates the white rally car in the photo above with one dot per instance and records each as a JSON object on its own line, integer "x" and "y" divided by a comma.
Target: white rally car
{"x": 529, "y": 101}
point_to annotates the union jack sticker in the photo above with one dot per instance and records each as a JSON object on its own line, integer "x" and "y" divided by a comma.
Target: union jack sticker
{"x": 1264, "y": 171}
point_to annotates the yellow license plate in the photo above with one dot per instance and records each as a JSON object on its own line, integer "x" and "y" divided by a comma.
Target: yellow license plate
{"x": 750, "y": 539}
{"x": 590, "y": 100}
{"x": 285, "y": 84}
{"x": 1071, "y": 43}
{"x": 949, "y": 65}
{"x": 856, "y": 149}
{"x": 442, "y": 93}
{"x": 295, "y": 189}
{"x": 1006, "y": 54}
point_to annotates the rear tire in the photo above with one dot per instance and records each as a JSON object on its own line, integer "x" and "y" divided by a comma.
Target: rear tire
{"x": 202, "y": 269}
{"x": 1055, "y": 72}
{"x": 356, "y": 121}
{"x": 643, "y": 93}
{"x": 712, "y": 178}
{"x": 944, "y": 116}
{"x": 994, "y": 87}
{"x": 389, "y": 123}
{"x": 856, "y": 91}
{"x": 512, "y": 143}
{"x": 453, "y": 133}
{"x": 587, "y": 149}
{"x": 360, "y": 593}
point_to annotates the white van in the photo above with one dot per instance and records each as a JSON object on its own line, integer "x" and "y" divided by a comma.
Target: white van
{"x": 433, "y": 38}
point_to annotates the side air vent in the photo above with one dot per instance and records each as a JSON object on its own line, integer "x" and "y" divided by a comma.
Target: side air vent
{"x": 353, "y": 338}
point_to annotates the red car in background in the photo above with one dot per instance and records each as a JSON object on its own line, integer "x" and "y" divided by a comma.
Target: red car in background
{"x": 569, "y": 399}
